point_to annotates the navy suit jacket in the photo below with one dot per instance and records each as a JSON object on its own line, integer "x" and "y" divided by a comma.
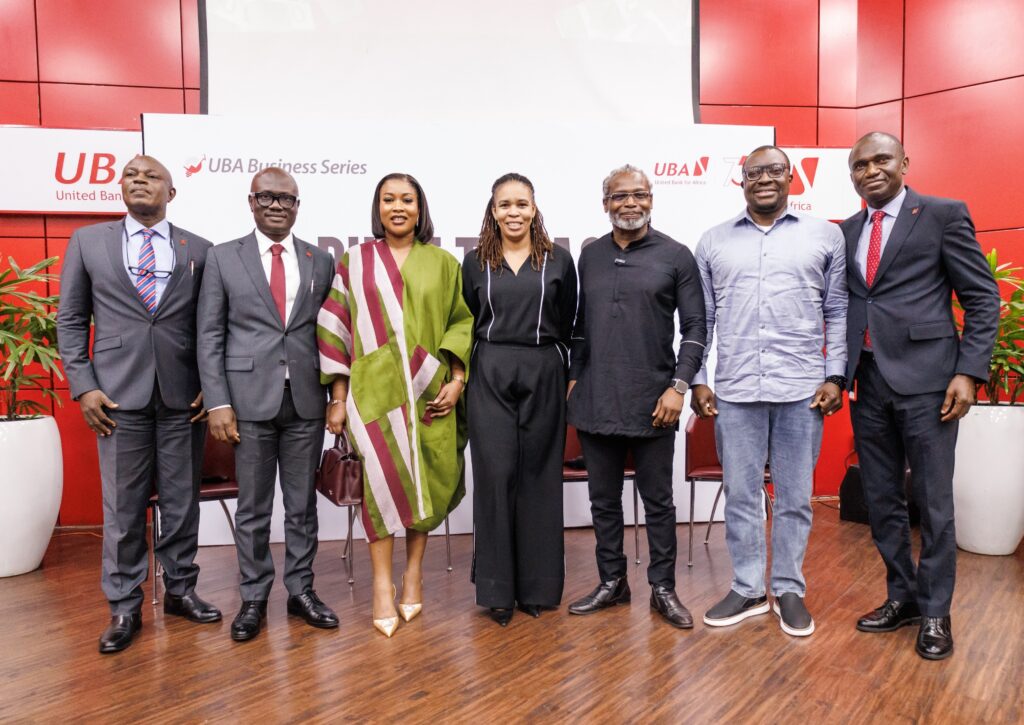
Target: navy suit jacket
{"x": 931, "y": 253}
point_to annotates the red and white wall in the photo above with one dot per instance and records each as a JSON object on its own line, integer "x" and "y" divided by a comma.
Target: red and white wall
{"x": 945, "y": 75}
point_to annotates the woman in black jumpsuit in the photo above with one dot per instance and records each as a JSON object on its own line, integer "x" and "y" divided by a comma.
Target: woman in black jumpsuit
{"x": 522, "y": 291}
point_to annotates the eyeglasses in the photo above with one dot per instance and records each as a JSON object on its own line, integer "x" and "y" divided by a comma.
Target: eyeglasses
{"x": 774, "y": 171}
{"x": 620, "y": 196}
{"x": 265, "y": 199}
{"x": 155, "y": 273}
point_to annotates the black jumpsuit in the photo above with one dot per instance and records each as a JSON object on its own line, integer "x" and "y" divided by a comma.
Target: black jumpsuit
{"x": 516, "y": 408}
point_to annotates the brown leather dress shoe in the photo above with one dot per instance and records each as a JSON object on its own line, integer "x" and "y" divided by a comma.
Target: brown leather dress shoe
{"x": 665, "y": 602}
{"x": 118, "y": 634}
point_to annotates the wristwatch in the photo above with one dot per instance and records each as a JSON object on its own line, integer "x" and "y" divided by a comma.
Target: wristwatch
{"x": 837, "y": 380}
{"x": 680, "y": 386}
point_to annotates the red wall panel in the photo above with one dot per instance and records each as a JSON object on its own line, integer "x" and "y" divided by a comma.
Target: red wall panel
{"x": 191, "y": 101}
{"x": 952, "y": 43}
{"x": 19, "y": 103}
{"x": 759, "y": 52}
{"x": 190, "y": 42}
{"x": 18, "y": 41}
{"x": 886, "y": 117}
{"x": 793, "y": 126}
{"x": 837, "y": 126}
{"x": 837, "y": 62}
{"x": 81, "y": 504}
{"x": 1009, "y": 246}
{"x": 966, "y": 144}
{"x": 21, "y": 225}
{"x": 75, "y": 106}
{"x": 879, "y": 51}
{"x": 117, "y": 42}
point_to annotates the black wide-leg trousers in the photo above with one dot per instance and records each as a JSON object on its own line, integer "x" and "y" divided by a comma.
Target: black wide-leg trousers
{"x": 516, "y": 406}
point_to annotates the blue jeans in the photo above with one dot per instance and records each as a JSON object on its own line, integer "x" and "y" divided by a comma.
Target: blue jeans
{"x": 747, "y": 435}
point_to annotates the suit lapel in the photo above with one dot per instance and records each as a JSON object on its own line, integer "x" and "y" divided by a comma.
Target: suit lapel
{"x": 305, "y": 260}
{"x": 908, "y": 216}
{"x": 852, "y": 241}
{"x": 249, "y": 253}
{"x": 181, "y": 257}
{"x": 116, "y": 253}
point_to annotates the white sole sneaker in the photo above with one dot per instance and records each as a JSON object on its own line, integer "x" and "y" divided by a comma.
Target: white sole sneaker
{"x": 805, "y": 632}
{"x": 737, "y": 618}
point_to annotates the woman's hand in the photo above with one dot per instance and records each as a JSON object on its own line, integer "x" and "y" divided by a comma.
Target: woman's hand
{"x": 336, "y": 415}
{"x": 446, "y": 398}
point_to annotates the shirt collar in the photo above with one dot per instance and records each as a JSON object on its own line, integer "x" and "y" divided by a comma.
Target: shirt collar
{"x": 133, "y": 226}
{"x": 745, "y": 215}
{"x": 893, "y": 207}
{"x": 266, "y": 242}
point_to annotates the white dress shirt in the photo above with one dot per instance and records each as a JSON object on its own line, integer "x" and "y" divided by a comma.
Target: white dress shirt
{"x": 892, "y": 210}
{"x": 163, "y": 250}
{"x": 291, "y": 267}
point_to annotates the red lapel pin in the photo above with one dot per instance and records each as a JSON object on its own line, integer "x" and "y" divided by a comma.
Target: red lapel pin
{"x": 915, "y": 210}
{"x": 310, "y": 254}
{"x": 182, "y": 242}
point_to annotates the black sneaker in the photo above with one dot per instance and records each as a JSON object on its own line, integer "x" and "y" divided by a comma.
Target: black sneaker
{"x": 793, "y": 615}
{"x": 734, "y": 609}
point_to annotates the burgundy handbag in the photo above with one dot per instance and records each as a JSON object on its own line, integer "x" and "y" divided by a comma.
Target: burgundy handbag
{"x": 340, "y": 475}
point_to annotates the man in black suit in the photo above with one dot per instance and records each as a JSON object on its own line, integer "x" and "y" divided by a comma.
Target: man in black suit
{"x": 913, "y": 376}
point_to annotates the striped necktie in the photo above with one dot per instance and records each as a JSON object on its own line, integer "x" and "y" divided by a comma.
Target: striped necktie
{"x": 145, "y": 282}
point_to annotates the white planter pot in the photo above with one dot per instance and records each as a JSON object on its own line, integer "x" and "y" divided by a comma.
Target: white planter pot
{"x": 31, "y": 484}
{"x": 988, "y": 482}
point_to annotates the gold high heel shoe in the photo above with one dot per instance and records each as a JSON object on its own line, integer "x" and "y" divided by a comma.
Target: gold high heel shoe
{"x": 387, "y": 625}
{"x": 410, "y": 611}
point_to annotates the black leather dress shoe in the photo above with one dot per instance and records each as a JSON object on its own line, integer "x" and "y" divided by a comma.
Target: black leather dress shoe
{"x": 192, "y": 608}
{"x": 308, "y": 606}
{"x": 501, "y": 615}
{"x": 890, "y": 616}
{"x": 248, "y": 621}
{"x": 532, "y": 609}
{"x": 118, "y": 634}
{"x": 607, "y": 594}
{"x": 935, "y": 638}
{"x": 665, "y": 602}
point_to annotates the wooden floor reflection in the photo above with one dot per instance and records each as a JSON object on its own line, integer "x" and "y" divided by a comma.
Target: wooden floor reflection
{"x": 453, "y": 664}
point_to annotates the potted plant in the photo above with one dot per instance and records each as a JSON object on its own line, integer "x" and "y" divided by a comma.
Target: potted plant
{"x": 32, "y": 481}
{"x": 988, "y": 483}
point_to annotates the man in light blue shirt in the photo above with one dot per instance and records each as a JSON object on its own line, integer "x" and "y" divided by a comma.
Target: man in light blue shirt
{"x": 775, "y": 286}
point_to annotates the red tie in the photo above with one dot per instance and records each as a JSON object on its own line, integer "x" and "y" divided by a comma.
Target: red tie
{"x": 874, "y": 255}
{"x": 277, "y": 290}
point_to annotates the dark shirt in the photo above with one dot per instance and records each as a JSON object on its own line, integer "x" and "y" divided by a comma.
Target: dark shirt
{"x": 531, "y": 307}
{"x": 622, "y": 356}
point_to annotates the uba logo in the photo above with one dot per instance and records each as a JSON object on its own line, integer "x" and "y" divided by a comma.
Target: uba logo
{"x": 671, "y": 168}
{"x": 804, "y": 174}
{"x": 101, "y": 168}
{"x": 192, "y": 166}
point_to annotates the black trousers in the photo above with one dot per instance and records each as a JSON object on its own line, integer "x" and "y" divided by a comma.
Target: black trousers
{"x": 155, "y": 446}
{"x": 516, "y": 407}
{"x": 605, "y": 458}
{"x": 890, "y": 430}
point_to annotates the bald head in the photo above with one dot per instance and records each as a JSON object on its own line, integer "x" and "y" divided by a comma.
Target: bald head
{"x": 146, "y": 188}
{"x": 878, "y": 164}
{"x": 274, "y": 201}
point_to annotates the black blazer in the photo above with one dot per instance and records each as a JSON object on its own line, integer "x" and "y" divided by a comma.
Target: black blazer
{"x": 931, "y": 253}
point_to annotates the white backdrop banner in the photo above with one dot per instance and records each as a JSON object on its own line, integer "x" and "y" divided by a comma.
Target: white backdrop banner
{"x": 337, "y": 166}
{"x": 64, "y": 171}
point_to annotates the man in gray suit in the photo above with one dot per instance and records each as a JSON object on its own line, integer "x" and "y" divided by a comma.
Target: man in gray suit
{"x": 139, "y": 280}
{"x": 913, "y": 376}
{"x": 260, "y": 369}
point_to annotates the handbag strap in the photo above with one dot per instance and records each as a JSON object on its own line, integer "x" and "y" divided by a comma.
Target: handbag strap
{"x": 342, "y": 444}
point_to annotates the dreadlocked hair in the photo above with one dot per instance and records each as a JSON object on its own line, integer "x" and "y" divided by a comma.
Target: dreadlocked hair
{"x": 488, "y": 249}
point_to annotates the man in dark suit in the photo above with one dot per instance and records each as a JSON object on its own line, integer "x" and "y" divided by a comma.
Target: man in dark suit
{"x": 260, "y": 368}
{"x": 139, "y": 279}
{"x": 914, "y": 377}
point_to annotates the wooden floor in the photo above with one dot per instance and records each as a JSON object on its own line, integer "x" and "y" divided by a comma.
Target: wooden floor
{"x": 454, "y": 665}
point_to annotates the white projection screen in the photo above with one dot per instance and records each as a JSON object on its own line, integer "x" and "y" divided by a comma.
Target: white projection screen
{"x": 468, "y": 60}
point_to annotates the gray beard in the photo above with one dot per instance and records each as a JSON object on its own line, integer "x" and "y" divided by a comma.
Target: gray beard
{"x": 629, "y": 225}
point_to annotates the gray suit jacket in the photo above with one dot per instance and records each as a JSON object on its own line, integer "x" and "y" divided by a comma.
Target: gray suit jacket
{"x": 931, "y": 253}
{"x": 132, "y": 348}
{"x": 243, "y": 345}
